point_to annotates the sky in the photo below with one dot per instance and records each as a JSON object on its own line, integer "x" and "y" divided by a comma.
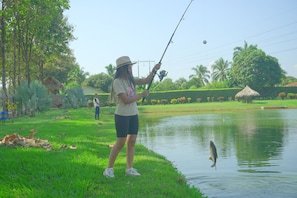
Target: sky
{"x": 141, "y": 29}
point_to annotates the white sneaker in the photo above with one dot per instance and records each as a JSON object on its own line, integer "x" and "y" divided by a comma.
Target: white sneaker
{"x": 108, "y": 172}
{"x": 132, "y": 172}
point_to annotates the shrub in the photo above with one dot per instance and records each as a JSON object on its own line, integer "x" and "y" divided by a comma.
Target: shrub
{"x": 182, "y": 99}
{"x": 292, "y": 96}
{"x": 74, "y": 98}
{"x": 153, "y": 101}
{"x": 198, "y": 99}
{"x": 220, "y": 99}
{"x": 173, "y": 101}
{"x": 164, "y": 101}
{"x": 90, "y": 103}
{"x": 36, "y": 98}
{"x": 282, "y": 95}
{"x": 11, "y": 106}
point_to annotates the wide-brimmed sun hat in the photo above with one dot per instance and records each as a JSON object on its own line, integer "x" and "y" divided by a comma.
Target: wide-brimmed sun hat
{"x": 124, "y": 60}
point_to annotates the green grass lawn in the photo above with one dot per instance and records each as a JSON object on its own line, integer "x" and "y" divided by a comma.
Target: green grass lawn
{"x": 65, "y": 172}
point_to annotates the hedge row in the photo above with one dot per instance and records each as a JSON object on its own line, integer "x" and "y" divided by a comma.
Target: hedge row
{"x": 204, "y": 95}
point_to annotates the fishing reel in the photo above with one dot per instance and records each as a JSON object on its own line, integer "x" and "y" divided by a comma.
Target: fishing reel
{"x": 162, "y": 74}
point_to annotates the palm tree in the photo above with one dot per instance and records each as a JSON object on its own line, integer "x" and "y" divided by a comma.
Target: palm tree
{"x": 237, "y": 50}
{"x": 201, "y": 73}
{"x": 77, "y": 75}
{"x": 220, "y": 70}
{"x": 110, "y": 70}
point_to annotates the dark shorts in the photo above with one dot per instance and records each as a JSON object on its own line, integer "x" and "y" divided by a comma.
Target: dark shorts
{"x": 126, "y": 125}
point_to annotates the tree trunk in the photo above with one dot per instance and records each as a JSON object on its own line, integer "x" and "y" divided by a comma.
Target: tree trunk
{"x": 41, "y": 71}
{"x": 3, "y": 40}
{"x": 14, "y": 75}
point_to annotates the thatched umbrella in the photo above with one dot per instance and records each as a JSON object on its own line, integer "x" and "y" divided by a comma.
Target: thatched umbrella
{"x": 246, "y": 93}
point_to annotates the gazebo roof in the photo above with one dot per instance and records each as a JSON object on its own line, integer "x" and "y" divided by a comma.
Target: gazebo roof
{"x": 246, "y": 92}
{"x": 294, "y": 84}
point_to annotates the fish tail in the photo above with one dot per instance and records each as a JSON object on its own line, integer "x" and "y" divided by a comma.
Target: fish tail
{"x": 213, "y": 165}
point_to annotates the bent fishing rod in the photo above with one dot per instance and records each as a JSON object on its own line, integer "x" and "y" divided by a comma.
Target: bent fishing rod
{"x": 163, "y": 73}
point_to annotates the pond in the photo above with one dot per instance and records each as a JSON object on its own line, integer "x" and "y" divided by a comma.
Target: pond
{"x": 256, "y": 151}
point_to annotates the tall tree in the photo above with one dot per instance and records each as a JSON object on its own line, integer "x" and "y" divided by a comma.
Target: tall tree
{"x": 100, "y": 81}
{"x": 220, "y": 70}
{"x": 165, "y": 85}
{"x": 40, "y": 30}
{"x": 254, "y": 68}
{"x": 76, "y": 76}
{"x": 52, "y": 42}
{"x": 3, "y": 57}
{"x": 181, "y": 83}
{"x": 59, "y": 65}
{"x": 287, "y": 79}
{"x": 202, "y": 73}
{"x": 194, "y": 83}
{"x": 238, "y": 50}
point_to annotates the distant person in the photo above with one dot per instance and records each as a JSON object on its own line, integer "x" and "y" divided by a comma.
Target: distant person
{"x": 123, "y": 93}
{"x": 97, "y": 106}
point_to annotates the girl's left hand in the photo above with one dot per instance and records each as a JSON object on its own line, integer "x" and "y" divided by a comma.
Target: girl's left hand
{"x": 157, "y": 67}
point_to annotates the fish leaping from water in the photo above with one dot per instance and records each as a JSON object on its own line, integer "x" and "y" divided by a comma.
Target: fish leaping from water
{"x": 213, "y": 153}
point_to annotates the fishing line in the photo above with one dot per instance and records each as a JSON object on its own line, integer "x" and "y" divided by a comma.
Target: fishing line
{"x": 163, "y": 73}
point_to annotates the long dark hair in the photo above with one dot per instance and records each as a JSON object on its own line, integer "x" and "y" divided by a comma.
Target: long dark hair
{"x": 123, "y": 72}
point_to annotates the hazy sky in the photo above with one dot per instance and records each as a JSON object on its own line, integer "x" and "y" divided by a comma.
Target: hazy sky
{"x": 141, "y": 29}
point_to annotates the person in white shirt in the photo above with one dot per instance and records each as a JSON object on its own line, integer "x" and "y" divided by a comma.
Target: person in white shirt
{"x": 97, "y": 106}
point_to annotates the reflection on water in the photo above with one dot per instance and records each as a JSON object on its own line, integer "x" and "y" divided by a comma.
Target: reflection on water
{"x": 256, "y": 150}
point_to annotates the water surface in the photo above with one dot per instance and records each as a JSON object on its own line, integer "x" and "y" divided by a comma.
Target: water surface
{"x": 256, "y": 149}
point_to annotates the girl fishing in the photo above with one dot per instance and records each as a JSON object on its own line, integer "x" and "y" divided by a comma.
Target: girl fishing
{"x": 124, "y": 94}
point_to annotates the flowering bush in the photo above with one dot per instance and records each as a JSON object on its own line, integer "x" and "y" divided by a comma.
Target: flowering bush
{"x": 182, "y": 99}
{"x": 164, "y": 101}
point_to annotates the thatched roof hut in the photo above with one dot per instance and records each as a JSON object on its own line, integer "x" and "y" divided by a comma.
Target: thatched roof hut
{"x": 53, "y": 85}
{"x": 246, "y": 94}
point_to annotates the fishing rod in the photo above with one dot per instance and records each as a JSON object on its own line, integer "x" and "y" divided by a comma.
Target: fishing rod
{"x": 163, "y": 73}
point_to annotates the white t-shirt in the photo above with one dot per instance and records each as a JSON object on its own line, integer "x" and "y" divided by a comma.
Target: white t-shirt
{"x": 96, "y": 102}
{"x": 124, "y": 86}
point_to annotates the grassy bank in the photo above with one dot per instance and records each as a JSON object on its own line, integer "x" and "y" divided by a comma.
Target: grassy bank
{"x": 65, "y": 172}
